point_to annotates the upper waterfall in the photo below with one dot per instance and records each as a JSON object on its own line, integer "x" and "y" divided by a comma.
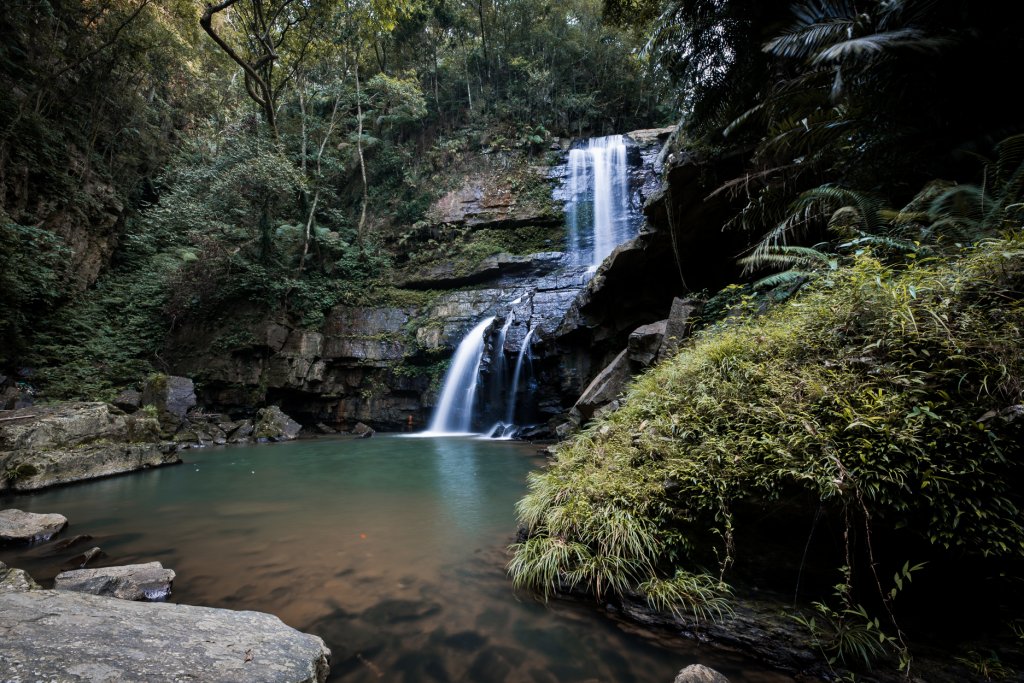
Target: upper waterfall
{"x": 597, "y": 210}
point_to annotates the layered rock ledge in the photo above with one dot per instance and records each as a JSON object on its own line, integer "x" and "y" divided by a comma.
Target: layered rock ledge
{"x": 47, "y": 445}
{"x": 63, "y": 637}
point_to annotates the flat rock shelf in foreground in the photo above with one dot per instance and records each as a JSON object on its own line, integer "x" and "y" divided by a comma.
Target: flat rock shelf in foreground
{"x": 63, "y": 637}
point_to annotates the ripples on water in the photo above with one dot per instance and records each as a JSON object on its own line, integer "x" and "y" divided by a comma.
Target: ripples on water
{"x": 392, "y": 550}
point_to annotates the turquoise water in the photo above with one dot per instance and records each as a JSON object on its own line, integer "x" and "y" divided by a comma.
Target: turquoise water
{"x": 391, "y": 549}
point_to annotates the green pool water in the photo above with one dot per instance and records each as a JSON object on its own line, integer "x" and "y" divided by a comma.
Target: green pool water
{"x": 391, "y": 549}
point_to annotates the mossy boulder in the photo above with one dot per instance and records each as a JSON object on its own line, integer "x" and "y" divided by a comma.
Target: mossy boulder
{"x": 273, "y": 425}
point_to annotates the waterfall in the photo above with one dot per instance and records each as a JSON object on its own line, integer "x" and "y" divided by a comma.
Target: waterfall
{"x": 454, "y": 413}
{"x": 598, "y": 199}
{"x": 510, "y": 409}
{"x": 598, "y": 218}
{"x": 498, "y": 368}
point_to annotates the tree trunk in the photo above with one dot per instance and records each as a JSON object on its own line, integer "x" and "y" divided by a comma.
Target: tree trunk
{"x": 362, "y": 162}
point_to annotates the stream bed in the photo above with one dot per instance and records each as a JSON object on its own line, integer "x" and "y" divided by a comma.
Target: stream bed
{"x": 391, "y": 549}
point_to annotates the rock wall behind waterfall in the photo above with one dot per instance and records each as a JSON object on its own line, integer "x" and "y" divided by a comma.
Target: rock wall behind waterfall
{"x": 382, "y": 363}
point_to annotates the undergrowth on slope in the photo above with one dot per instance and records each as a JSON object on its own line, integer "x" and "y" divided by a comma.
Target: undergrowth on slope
{"x": 885, "y": 392}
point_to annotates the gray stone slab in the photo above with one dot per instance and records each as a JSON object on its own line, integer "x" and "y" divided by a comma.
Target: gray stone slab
{"x": 17, "y": 526}
{"x": 149, "y": 581}
{"x": 63, "y": 637}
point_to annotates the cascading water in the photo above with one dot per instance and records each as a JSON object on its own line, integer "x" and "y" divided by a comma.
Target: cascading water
{"x": 510, "y": 410}
{"x": 499, "y": 369}
{"x": 506, "y": 428}
{"x": 599, "y": 217}
{"x": 454, "y": 414}
{"x": 597, "y": 212}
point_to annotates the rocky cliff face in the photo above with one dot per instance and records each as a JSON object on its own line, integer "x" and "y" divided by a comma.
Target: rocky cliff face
{"x": 642, "y": 300}
{"x": 382, "y": 364}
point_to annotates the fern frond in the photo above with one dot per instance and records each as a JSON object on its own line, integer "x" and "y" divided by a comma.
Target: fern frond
{"x": 786, "y": 277}
{"x": 787, "y": 256}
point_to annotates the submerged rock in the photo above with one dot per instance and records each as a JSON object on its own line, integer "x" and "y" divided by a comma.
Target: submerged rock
{"x": 15, "y": 580}
{"x": 85, "y": 558}
{"x": 273, "y": 424}
{"x": 65, "y": 442}
{"x": 61, "y": 546}
{"x": 62, "y": 636}
{"x": 149, "y": 581}
{"x": 29, "y": 527}
{"x": 698, "y": 673}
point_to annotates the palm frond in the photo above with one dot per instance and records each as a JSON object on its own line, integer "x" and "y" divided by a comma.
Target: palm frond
{"x": 876, "y": 43}
{"x": 805, "y": 40}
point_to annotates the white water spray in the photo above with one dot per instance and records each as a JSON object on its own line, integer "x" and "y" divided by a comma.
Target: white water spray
{"x": 454, "y": 412}
{"x": 598, "y": 191}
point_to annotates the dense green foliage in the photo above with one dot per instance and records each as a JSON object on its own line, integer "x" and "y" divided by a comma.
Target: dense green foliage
{"x": 277, "y": 159}
{"x": 888, "y": 394}
{"x": 880, "y": 405}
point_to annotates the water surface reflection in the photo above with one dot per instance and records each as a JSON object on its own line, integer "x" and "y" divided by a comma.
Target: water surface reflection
{"x": 391, "y": 549}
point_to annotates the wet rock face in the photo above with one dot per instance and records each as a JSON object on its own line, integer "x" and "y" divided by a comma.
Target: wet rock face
{"x": 29, "y": 527}
{"x": 65, "y": 442}
{"x": 382, "y": 365}
{"x": 484, "y": 200}
{"x": 149, "y": 581}
{"x": 64, "y": 637}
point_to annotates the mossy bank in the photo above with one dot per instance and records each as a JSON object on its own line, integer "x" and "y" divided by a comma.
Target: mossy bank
{"x": 867, "y": 429}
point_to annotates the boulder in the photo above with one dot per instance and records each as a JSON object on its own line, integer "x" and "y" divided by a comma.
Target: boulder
{"x": 148, "y": 581}
{"x": 240, "y": 432}
{"x": 645, "y": 341}
{"x": 363, "y": 431}
{"x": 698, "y": 673}
{"x": 65, "y": 442}
{"x": 63, "y": 636}
{"x": 15, "y": 580}
{"x": 606, "y": 387}
{"x": 171, "y": 396}
{"x": 678, "y": 326}
{"x": 128, "y": 400}
{"x": 29, "y": 527}
{"x": 325, "y": 429}
{"x": 274, "y": 425}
